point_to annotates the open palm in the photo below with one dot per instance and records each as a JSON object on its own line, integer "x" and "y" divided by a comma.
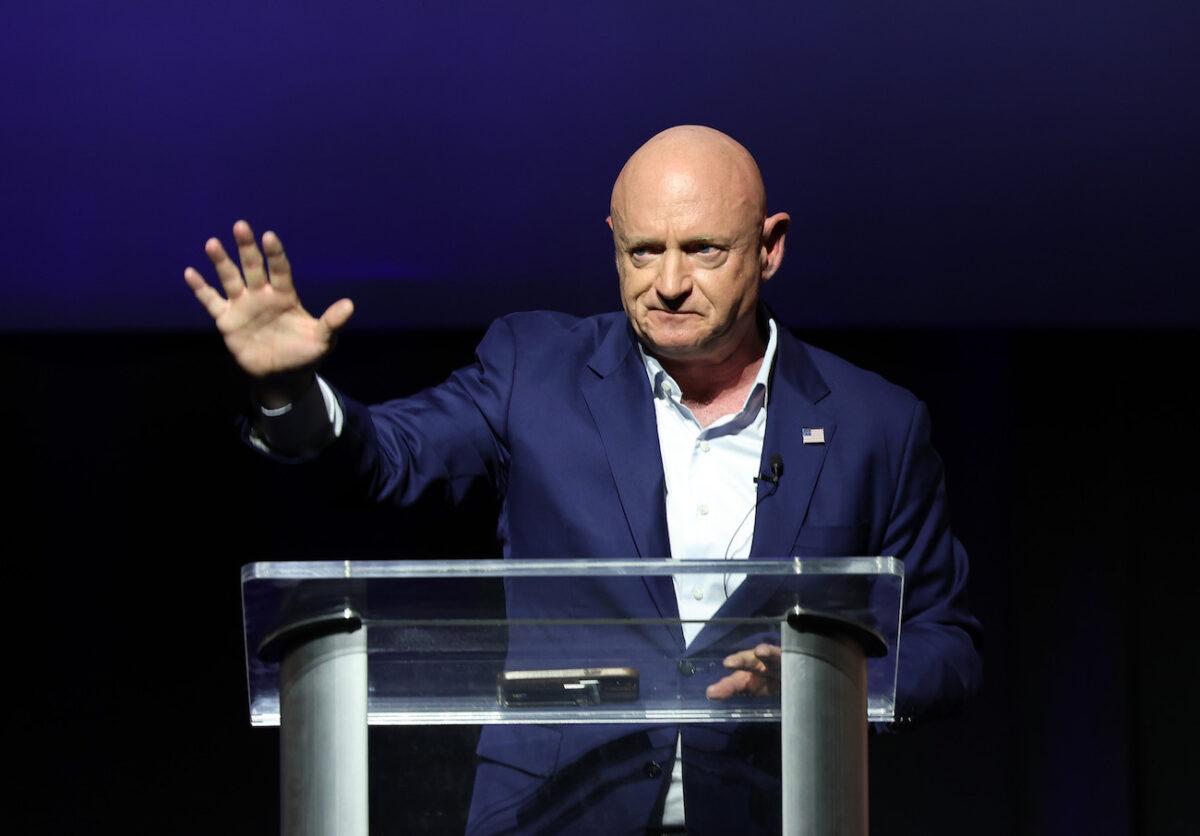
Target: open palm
{"x": 267, "y": 330}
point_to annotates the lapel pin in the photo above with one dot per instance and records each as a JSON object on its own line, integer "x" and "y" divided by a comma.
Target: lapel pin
{"x": 813, "y": 435}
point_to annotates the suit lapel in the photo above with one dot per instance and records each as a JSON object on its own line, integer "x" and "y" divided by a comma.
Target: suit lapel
{"x": 617, "y": 393}
{"x": 796, "y": 391}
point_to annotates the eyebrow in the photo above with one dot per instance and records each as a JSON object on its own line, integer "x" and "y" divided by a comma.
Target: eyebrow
{"x": 638, "y": 243}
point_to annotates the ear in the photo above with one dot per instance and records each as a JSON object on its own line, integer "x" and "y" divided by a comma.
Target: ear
{"x": 771, "y": 249}
{"x": 616, "y": 246}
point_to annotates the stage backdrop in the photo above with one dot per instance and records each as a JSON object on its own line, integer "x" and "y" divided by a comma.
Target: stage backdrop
{"x": 945, "y": 163}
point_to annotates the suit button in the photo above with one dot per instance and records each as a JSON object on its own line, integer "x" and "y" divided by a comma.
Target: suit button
{"x": 653, "y": 769}
{"x": 686, "y": 667}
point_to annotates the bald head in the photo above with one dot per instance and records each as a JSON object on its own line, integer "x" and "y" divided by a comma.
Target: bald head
{"x": 692, "y": 158}
{"x": 693, "y": 244}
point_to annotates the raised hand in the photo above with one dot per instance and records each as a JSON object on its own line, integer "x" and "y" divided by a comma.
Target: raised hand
{"x": 755, "y": 674}
{"x": 266, "y": 329}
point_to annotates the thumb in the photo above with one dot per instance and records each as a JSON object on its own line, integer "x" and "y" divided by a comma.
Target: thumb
{"x": 337, "y": 314}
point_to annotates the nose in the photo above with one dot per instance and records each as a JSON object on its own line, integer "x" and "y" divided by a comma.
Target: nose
{"x": 673, "y": 284}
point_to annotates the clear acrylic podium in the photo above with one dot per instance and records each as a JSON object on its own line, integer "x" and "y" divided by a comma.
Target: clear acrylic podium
{"x": 334, "y": 646}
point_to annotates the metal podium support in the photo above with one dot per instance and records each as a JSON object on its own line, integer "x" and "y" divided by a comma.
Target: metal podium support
{"x": 824, "y": 705}
{"x": 323, "y": 726}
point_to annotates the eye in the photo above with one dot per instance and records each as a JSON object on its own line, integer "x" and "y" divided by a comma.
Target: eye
{"x": 640, "y": 254}
{"x": 706, "y": 250}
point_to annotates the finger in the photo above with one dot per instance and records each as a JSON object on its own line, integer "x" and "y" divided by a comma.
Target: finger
{"x": 249, "y": 255}
{"x": 279, "y": 271}
{"x": 743, "y": 660}
{"x": 227, "y": 271}
{"x": 729, "y": 686}
{"x": 770, "y": 655}
{"x": 337, "y": 314}
{"x": 212, "y": 301}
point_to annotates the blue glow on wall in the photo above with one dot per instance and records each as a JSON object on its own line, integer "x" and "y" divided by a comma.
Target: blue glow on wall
{"x": 944, "y": 163}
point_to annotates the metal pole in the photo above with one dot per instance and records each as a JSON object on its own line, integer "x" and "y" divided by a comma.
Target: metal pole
{"x": 824, "y": 703}
{"x": 323, "y": 736}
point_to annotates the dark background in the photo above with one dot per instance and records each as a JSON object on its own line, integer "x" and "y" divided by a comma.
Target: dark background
{"x": 1070, "y": 457}
{"x": 995, "y": 204}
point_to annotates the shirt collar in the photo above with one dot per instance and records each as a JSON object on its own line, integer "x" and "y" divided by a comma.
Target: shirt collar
{"x": 664, "y": 386}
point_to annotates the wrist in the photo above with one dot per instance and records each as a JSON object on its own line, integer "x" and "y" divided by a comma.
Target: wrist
{"x": 281, "y": 390}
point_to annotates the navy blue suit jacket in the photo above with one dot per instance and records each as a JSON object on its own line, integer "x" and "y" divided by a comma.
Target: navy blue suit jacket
{"x": 556, "y": 415}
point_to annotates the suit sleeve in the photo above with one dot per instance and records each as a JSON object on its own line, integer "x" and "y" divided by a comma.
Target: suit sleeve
{"x": 445, "y": 439}
{"x": 940, "y": 665}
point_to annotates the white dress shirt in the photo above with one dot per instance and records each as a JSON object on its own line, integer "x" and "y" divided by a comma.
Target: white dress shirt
{"x": 711, "y": 500}
{"x": 711, "y": 492}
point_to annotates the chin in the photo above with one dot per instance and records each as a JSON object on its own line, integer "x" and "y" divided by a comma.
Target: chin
{"x": 676, "y": 349}
{"x": 682, "y": 341}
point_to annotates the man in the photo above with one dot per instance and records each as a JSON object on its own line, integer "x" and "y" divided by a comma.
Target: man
{"x": 615, "y": 436}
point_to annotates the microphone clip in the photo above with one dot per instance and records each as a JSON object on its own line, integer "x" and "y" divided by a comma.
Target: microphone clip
{"x": 775, "y": 474}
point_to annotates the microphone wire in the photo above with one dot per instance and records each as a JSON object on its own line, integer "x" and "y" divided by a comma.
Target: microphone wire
{"x": 776, "y": 475}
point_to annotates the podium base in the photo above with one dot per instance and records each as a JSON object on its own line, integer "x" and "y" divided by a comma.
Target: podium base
{"x": 824, "y": 704}
{"x": 323, "y": 735}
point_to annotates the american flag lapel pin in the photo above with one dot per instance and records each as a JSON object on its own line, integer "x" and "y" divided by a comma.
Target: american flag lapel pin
{"x": 813, "y": 435}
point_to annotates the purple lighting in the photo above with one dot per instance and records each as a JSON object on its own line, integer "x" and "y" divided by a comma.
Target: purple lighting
{"x": 1023, "y": 164}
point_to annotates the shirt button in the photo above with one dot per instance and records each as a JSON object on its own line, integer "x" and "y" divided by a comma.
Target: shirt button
{"x": 686, "y": 668}
{"x": 703, "y": 509}
{"x": 653, "y": 769}
{"x": 705, "y": 446}
{"x": 697, "y": 593}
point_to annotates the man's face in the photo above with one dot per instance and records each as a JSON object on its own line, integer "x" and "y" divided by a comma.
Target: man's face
{"x": 689, "y": 257}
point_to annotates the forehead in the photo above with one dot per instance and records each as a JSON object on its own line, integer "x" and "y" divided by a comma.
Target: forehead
{"x": 684, "y": 202}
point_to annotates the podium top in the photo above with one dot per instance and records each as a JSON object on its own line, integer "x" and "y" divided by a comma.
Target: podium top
{"x": 497, "y": 568}
{"x": 522, "y": 641}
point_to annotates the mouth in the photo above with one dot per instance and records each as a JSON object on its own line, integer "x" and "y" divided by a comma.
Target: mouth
{"x": 665, "y": 312}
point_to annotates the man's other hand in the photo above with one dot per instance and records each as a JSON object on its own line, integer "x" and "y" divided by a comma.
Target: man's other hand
{"x": 755, "y": 674}
{"x": 266, "y": 329}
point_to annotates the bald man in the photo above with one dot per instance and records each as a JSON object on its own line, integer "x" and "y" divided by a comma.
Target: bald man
{"x": 640, "y": 434}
